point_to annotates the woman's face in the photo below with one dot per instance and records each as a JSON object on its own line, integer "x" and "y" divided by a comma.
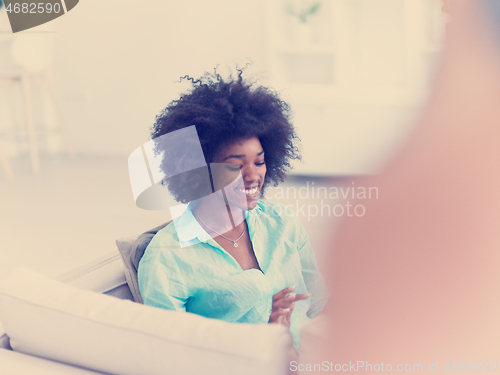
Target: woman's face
{"x": 245, "y": 157}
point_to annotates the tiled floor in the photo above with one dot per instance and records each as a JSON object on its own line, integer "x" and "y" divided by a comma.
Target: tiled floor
{"x": 74, "y": 210}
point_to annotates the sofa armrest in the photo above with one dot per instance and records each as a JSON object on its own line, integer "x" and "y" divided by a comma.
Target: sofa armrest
{"x": 14, "y": 363}
{"x": 104, "y": 275}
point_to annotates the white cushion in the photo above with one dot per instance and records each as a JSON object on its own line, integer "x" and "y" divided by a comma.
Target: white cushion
{"x": 49, "y": 319}
{"x": 13, "y": 363}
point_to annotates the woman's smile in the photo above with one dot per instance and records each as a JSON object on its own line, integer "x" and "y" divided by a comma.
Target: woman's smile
{"x": 250, "y": 191}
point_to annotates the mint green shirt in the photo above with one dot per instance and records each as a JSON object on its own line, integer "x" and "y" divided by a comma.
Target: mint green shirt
{"x": 202, "y": 278}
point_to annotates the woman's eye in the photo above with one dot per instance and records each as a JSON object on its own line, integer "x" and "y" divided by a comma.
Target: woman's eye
{"x": 260, "y": 163}
{"x": 235, "y": 168}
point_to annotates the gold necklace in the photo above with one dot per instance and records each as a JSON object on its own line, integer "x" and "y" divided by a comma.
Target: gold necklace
{"x": 233, "y": 241}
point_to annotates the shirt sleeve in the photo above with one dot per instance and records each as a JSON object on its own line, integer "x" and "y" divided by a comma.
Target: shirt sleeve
{"x": 315, "y": 283}
{"x": 161, "y": 283}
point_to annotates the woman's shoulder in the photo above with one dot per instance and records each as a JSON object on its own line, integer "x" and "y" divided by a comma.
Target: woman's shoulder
{"x": 167, "y": 233}
{"x": 275, "y": 210}
{"x": 281, "y": 218}
{"x": 278, "y": 214}
{"x": 163, "y": 242}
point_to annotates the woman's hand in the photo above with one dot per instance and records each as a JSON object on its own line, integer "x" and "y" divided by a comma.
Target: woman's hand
{"x": 283, "y": 304}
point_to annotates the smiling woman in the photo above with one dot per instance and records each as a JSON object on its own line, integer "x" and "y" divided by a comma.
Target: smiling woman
{"x": 230, "y": 256}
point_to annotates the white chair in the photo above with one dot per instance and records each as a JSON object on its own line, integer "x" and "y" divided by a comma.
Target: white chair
{"x": 32, "y": 54}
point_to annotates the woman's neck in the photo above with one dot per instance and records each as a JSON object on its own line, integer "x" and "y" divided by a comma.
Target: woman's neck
{"x": 218, "y": 217}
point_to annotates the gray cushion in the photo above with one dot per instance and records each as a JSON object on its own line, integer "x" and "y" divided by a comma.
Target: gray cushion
{"x": 132, "y": 249}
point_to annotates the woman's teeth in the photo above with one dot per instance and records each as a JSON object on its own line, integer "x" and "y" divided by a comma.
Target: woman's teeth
{"x": 249, "y": 191}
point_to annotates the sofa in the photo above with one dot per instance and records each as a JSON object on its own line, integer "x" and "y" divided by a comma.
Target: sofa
{"x": 85, "y": 322}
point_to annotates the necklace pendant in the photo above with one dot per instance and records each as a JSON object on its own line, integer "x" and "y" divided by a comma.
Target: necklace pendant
{"x": 235, "y": 244}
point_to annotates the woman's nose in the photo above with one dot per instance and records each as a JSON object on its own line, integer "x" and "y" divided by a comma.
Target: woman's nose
{"x": 250, "y": 174}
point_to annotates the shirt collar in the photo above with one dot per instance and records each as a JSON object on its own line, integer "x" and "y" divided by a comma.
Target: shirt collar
{"x": 189, "y": 231}
{"x": 188, "y": 228}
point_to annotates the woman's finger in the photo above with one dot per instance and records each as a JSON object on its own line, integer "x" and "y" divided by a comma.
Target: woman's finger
{"x": 287, "y": 318}
{"x": 287, "y": 300}
{"x": 277, "y": 313}
{"x": 282, "y": 303}
{"x": 292, "y": 297}
{"x": 283, "y": 293}
{"x": 290, "y": 311}
{"x": 299, "y": 297}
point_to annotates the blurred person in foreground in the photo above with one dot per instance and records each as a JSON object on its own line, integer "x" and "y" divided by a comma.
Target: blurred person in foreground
{"x": 417, "y": 279}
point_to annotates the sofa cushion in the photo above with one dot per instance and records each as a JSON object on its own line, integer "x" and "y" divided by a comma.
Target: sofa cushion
{"x": 132, "y": 249}
{"x": 49, "y": 319}
{"x": 13, "y": 363}
{"x": 4, "y": 339}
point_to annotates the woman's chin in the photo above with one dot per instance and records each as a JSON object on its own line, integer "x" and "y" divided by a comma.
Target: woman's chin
{"x": 251, "y": 203}
{"x": 243, "y": 201}
{"x": 247, "y": 205}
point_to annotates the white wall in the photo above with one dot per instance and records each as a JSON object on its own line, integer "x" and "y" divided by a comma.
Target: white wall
{"x": 344, "y": 139}
{"x": 117, "y": 61}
